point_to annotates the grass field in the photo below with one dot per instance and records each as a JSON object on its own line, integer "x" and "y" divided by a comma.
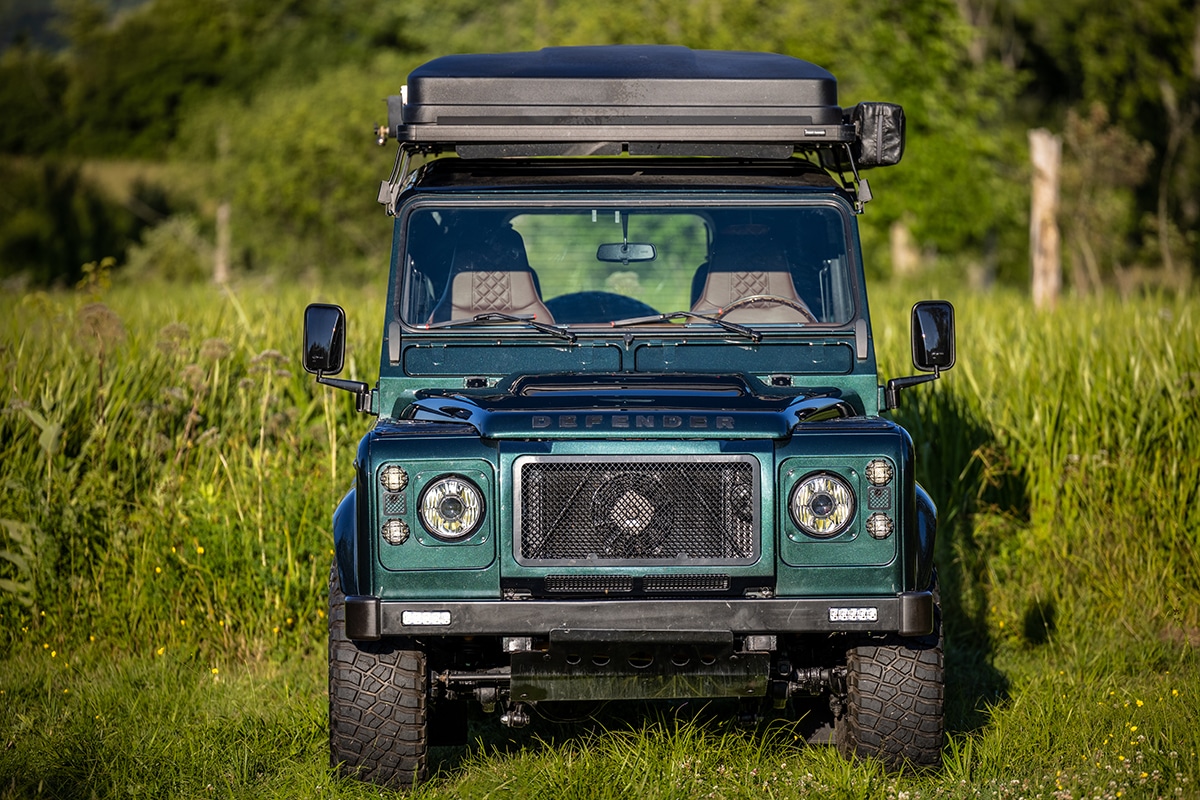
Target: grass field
{"x": 168, "y": 475}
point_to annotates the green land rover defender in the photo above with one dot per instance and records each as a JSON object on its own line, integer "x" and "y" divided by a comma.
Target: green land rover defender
{"x": 628, "y": 438}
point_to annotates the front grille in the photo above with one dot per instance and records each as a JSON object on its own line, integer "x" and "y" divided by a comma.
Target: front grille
{"x": 637, "y": 509}
{"x": 685, "y": 583}
{"x": 589, "y": 584}
{"x": 628, "y": 584}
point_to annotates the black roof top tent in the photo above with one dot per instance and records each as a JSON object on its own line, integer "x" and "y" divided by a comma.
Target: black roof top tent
{"x": 640, "y": 100}
{"x": 630, "y": 94}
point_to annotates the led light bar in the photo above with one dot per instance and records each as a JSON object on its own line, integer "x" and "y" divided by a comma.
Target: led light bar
{"x": 425, "y": 618}
{"x": 864, "y": 614}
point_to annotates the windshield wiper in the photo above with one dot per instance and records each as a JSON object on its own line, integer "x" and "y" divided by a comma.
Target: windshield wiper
{"x": 749, "y": 333}
{"x": 497, "y": 316}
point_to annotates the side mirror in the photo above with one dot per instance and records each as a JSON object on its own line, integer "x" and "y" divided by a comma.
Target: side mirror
{"x": 325, "y": 350}
{"x": 324, "y": 339}
{"x": 933, "y": 336}
{"x": 932, "y": 347}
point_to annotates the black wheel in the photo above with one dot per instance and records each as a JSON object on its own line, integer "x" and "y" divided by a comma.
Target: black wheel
{"x": 894, "y": 701}
{"x": 378, "y": 720}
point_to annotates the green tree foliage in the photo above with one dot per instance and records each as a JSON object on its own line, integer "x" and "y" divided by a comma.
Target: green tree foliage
{"x": 133, "y": 78}
{"x": 300, "y": 169}
{"x": 1139, "y": 60}
{"x": 1103, "y": 165}
{"x": 129, "y": 82}
{"x": 958, "y": 185}
{"x": 265, "y": 98}
{"x": 132, "y": 85}
{"x": 174, "y": 250}
{"x": 52, "y": 221}
{"x": 33, "y": 84}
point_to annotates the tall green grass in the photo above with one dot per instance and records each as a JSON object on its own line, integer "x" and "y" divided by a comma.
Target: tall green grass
{"x": 1065, "y": 449}
{"x": 168, "y": 475}
{"x": 165, "y": 466}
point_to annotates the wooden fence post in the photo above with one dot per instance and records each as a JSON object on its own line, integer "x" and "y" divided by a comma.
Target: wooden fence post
{"x": 906, "y": 258}
{"x": 221, "y": 255}
{"x": 1044, "y": 245}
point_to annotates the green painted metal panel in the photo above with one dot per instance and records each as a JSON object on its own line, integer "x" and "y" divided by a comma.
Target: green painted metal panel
{"x": 785, "y": 358}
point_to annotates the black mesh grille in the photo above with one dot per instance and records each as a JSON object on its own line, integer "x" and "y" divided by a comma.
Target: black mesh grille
{"x": 685, "y": 583}
{"x": 589, "y": 584}
{"x": 623, "y": 510}
{"x": 394, "y": 504}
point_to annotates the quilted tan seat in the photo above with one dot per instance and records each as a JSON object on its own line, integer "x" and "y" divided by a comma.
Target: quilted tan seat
{"x": 750, "y": 266}
{"x": 491, "y": 275}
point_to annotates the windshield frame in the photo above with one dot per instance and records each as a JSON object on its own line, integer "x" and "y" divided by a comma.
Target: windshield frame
{"x": 658, "y": 201}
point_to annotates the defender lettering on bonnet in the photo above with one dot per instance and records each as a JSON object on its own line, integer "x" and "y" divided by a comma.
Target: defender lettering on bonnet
{"x": 630, "y": 439}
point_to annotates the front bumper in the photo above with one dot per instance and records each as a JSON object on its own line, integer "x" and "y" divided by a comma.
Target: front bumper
{"x": 908, "y": 614}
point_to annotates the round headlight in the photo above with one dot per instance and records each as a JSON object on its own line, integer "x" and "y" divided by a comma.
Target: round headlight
{"x": 451, "y": 507}
{"x": 822, "y": 505}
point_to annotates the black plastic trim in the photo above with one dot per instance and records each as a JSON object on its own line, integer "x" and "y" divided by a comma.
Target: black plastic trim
{"x": 908, "y": 614}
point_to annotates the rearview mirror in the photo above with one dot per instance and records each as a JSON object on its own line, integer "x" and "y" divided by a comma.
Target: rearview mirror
{"x": 324, "y": 339}
{"x": 624, "y": 252}
{"x": 933, "y": 335}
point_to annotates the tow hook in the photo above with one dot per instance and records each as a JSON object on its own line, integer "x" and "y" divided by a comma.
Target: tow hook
{"x": 515, "y": 716}
{"x": 813, "y": 681}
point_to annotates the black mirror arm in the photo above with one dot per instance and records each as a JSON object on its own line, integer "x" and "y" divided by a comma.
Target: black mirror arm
{"x": 360, "y": 390}
{"x": 892, "y": 391}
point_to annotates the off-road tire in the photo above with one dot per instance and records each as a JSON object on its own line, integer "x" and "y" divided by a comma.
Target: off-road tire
{"x": 378, "y": 720}
{"x": 894, "y": 703}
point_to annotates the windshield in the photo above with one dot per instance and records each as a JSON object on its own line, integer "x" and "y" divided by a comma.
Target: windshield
{"x": 583, "y": 267}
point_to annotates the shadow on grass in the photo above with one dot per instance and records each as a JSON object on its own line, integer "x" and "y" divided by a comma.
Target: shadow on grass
{"x": 562, "y": 724}
{"x": 982, "y": 498}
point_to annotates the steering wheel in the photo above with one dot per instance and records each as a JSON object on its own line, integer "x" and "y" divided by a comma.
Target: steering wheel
{"x": 596, "y": 308}
{"x": 767, "y": 298}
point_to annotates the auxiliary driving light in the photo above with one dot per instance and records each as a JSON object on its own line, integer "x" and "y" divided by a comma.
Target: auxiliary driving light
{"x": 880, "y": 526}
{"x": 395, "y": 531}
{"x": 451, "y": 507}
{"x": 393, "y": 477}
{"x": 880, "y": 472}
{"x": 822, "y": 505}
{"x": 865, "y": 614}
{"x": 425, "y": 618}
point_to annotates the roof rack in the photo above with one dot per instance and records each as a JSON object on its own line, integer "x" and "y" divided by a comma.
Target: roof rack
{"x": 641, "y": 100}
